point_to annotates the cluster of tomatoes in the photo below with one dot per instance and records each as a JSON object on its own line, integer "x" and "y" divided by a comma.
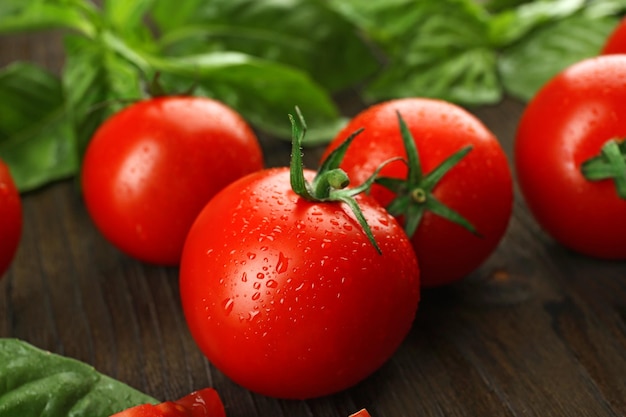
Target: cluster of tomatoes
{"x": 298, "y": 284}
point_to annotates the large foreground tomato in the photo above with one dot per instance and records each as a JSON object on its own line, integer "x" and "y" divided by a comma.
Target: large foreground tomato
{"x": 569, "y": 135}
{"x": 10, "y": 218}
{"x": 289, "y": 297}
{"x": 616, "y": 42}
{"x": 150, "y": 169}
{"x": 478, "y": 188}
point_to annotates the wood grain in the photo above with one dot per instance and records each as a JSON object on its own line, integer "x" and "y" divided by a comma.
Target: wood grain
{"x": 536, "y": 331}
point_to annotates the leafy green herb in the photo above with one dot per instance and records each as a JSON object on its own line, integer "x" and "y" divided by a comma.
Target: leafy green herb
{"x": 36, "y": 139}
{"x": 34, "y": 382}
{"x": 472, "y": 52}
{"x": 262, "y": 57}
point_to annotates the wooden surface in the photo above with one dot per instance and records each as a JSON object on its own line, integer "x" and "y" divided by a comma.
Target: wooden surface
{"x": 536, "y": 331}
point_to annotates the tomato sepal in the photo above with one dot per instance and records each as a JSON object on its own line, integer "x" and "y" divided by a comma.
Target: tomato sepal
{"x": 609, "y": 164}
{"x": 414, "y": 195}
{"x": 330, "y": 182}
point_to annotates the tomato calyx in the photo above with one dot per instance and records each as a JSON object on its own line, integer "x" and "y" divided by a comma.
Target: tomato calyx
{"x": 414, "y": 195}
{"x": 330, "y": 183}
{"x": 609, "y": 164}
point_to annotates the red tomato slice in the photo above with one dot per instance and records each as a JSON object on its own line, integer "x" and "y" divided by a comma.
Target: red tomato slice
{"x": 202, "y": 403}
{"x": 361, "y": 413}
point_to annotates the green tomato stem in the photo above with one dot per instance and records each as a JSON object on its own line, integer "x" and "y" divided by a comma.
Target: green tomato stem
{"x": 414, "y": 195}
{"x": 331, "y": 182}
{"x": 610, "y": 164}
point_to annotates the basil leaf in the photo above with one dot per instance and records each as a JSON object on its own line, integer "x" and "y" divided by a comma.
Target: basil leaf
{"x": 31, "y": 15}
{"x": 97, "y": 83}
{"x": 127, "y": 19}
{"x": 264, "y": 92}
{"x": 512, "y": 24}
{"x": 35, "y": 382}
{"x": 435, "y": 49}
{"x": 527, "y": 65}
{"x": 304, "y": 34}
{"x": 36, "y": 139}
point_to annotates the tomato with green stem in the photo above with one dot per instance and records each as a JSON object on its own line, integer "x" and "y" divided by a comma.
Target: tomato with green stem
{"x": 150, "y": 169}
{"x": 569, "y": 156}
{"x": 454, "y": 195}
{"x": 294, "y": 284}
{"x": 10, "y": 218}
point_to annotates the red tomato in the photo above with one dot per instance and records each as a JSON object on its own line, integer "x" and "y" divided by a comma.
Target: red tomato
{"x": 566, "y": 124}
{"x": 202, "y": 403}
{"x": 616, "y": 42}
{"x": 150, "y": 169}
{"x": 361, "y": 413}
{"x": 479, "y": 187}
{"x": 288, "y": 297}
{"x": 10, "y": 218}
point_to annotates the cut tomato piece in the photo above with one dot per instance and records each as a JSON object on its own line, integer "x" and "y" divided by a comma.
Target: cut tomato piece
{"x": 362, "y": 413}
{"x": 202, "y": 403}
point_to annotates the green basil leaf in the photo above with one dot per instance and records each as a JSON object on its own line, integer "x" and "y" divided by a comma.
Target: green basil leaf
{"x": 31, "y": 15}
{"x": 304, "y": 34}
{"x": 97, "y": 82}
{"x": 36, "y": 139}
{"x": 512, "y": 24}
{"x": 527, "y": 65}
{"x": 264, "y": 92}
{"x": 127, "y": 19}
{"x": 34, "y": 382}
{"x": 434, "y": 49}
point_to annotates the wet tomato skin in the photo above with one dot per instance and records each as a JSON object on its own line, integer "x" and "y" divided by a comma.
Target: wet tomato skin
{"x": 479, "y": 187}
{"x": 564, "y": 125}
{"x": 150, "y": 169}
{"x": 10, "y": 218}
{"x": 288, "y": 297}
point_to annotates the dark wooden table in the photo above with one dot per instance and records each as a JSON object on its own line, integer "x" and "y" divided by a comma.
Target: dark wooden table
{"x": 536, "y": 331}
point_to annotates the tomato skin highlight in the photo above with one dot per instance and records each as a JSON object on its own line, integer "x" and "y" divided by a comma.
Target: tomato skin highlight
{"x": 479, "y": 187}
{"x": 150, "y": 169}
{"x": 565, "y": 124}
{"x": 10, "y": 218}
{"x": 616, "y": 42}
{"x": 288, "y": 297}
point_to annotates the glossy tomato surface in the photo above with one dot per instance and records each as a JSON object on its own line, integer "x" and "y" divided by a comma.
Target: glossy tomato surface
{"x": 616, "y": 42}
{"x": 288, "y": 297}
{"x": 566, "y": 124}
{"x": 10, "y": 218}
{"x": 150, "y": 169}
{"x": 479, "y": 187}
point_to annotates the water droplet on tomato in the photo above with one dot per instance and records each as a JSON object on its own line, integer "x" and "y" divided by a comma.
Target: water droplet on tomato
{"x": 347, "y": 227}
{"x": 271, "y": 283}
{"x": 260, "y": 275}
{"x": 256, "y": 296}
{"x": 251, "y": 255}
{"x": 283, "y": 263}
{"x": 228, "y": 305}
{"x": 244, "y": 277}
{"x": 256, "y": 285}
